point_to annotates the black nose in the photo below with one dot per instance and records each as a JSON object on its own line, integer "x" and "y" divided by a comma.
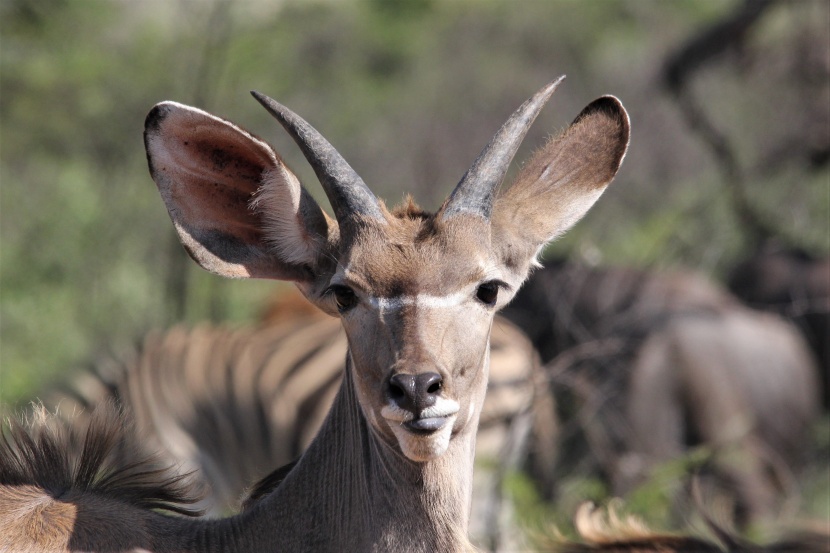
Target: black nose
{"x": 415, "y": 392}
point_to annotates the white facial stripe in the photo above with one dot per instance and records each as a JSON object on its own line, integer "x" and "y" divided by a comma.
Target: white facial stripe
{"x": 443, "y": 408}
{"x": 419, "y": 300}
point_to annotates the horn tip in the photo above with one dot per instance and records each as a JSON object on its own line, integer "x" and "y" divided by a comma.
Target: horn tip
{"x": 262, "y": 98}
{"x": 272, "y": 106}
{"x": 553, "y": 85}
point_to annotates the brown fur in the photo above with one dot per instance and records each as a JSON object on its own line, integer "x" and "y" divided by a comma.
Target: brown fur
{"x": 409, "y": 209}
{"x": 266, "y": 486}
{"x": 55, "y": 478}
{"x": 45, "y": 452}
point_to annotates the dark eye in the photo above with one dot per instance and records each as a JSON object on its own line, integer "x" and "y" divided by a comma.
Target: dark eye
{"x": 344, "y": 297}
{"x": 488, "y": 293}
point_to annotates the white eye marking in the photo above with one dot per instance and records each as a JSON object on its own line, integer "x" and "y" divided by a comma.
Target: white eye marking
{"x": 419, "y": 300}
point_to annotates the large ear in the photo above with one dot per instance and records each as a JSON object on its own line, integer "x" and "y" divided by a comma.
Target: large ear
{"x": 562, "y": 180}
{"x": 237, "y": 208}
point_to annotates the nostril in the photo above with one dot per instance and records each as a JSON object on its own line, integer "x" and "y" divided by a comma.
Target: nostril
{"x": 395, "y": 391}
{"x": 414, "y": 391}
{"x": 430, "y": 383}
{"x": 401, "y": 390}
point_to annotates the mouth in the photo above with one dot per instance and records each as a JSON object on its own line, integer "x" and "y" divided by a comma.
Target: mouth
{"x": 426, "y": 425}
{"x": 426, "y": 435}
{"x": 426, "y": 421}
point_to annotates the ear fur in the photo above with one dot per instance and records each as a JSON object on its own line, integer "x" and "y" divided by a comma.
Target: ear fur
{"x": 561, "y": 181}
{"x": 238, "y": 210}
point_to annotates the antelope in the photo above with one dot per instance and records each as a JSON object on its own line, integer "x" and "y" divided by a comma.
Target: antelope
{"x": 229, "y": 405}
{"x": 416, "y": 293}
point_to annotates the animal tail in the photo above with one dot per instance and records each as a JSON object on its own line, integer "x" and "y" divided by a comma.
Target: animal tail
{"x": 49, "y": 453}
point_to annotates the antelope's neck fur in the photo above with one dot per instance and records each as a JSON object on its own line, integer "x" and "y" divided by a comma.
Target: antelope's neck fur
{"x": 354, "y": 491}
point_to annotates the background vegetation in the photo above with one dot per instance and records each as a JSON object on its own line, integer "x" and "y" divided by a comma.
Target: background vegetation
{"x": 409, "y": 92}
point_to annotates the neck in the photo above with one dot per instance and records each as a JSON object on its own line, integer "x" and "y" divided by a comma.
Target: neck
{"x": 353, "y": 490}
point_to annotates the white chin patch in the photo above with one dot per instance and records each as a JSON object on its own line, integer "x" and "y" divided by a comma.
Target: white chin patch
{"x": 423, "y": 447}
{"x": 427, "y": 436}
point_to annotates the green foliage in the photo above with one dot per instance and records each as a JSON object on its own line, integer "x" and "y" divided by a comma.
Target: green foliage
{"x": 664, "y": 500}
{"x": 534, "y": 515}
{"x": 655, "y": 498}
{"x": 815, "y": 484}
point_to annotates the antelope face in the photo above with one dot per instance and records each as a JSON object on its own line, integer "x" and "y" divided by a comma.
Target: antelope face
{"x": 416, "y": 292}
{"x": 417, "y": 298}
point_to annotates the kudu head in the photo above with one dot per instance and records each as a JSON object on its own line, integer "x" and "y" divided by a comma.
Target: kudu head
{"x": 416, "y": 292}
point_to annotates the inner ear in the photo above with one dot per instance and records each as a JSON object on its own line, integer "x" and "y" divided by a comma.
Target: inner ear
{"x": 561, "y": 181}
{"x": 295, "y": 226}
{"x": 210, "y": 173}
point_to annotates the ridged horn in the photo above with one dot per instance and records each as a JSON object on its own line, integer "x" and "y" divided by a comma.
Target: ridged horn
{"x": 348, "y": 194}
{"x": 474, "y": 193}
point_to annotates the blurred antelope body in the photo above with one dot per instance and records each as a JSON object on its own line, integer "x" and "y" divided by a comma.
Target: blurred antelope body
{"x": 796, "y": 285}
{"x": 671, "y": 361}
{"x": 391, "y": 467}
